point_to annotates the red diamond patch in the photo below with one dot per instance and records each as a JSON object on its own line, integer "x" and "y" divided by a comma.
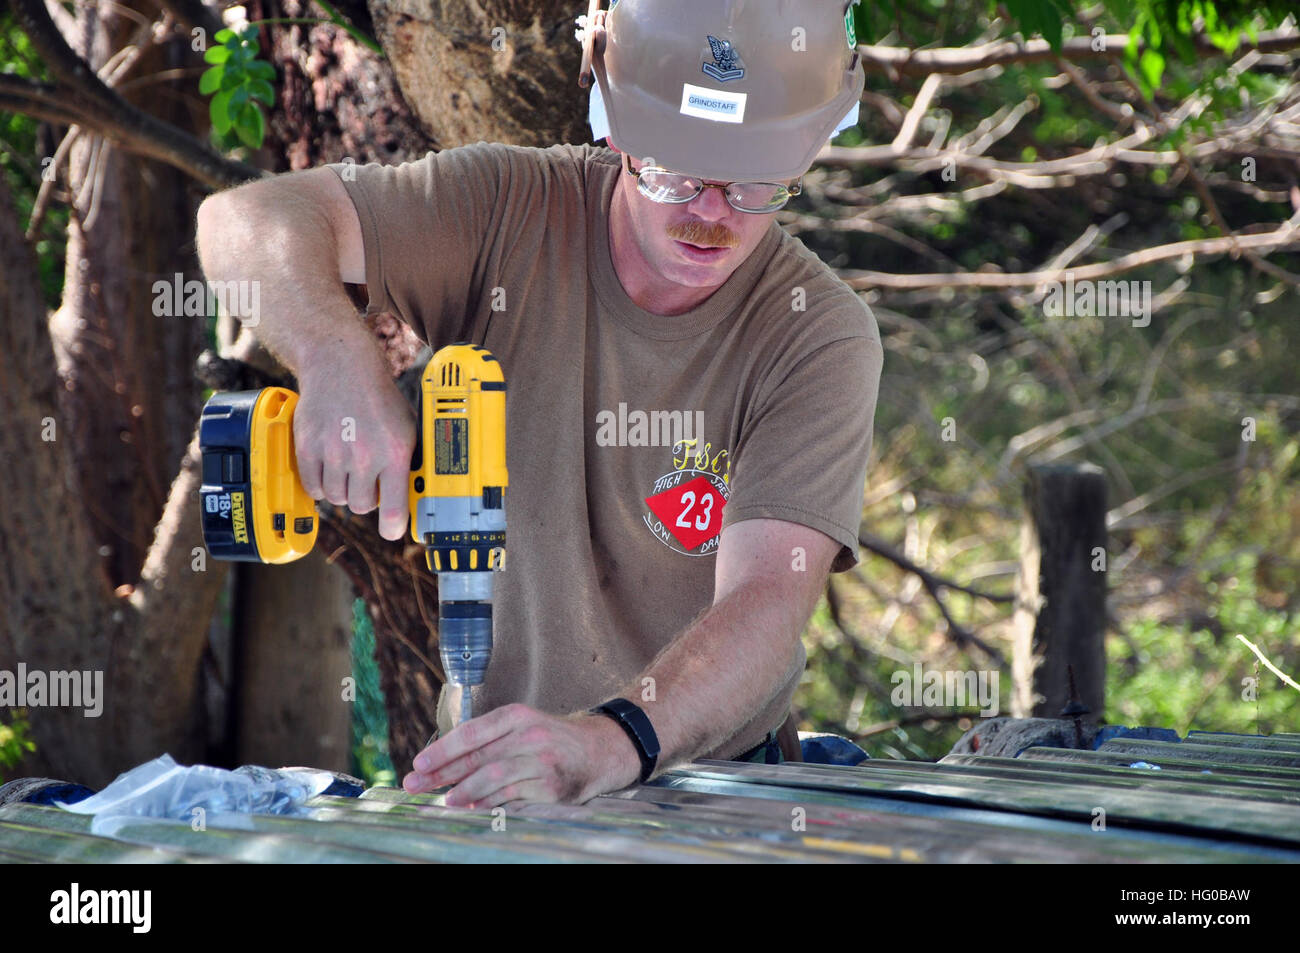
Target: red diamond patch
{"x": 692, "y": 512}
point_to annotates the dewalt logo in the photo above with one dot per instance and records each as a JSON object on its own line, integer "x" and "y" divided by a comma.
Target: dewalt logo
{"x": 238, "y": 521}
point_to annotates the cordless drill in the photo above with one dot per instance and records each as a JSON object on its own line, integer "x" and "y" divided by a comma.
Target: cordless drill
{"x": 254, "y": 507}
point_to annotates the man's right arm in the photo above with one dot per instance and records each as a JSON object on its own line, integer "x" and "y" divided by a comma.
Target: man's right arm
{"x": 299, "y": 238}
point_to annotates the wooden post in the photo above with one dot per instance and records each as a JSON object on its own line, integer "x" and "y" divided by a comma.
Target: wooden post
{"x": 1060, "y": 617}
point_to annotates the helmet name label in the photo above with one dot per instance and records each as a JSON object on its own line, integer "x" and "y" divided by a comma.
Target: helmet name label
{"x": 713, "y": 104}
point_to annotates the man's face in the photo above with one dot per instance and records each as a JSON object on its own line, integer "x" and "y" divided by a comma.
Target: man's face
{"x": 695, "y": 244}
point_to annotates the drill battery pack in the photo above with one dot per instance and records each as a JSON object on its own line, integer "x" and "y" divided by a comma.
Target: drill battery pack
{"x": 253, "y": 506}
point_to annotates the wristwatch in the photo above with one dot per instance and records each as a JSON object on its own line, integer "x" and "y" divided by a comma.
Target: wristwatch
{"x": 634, "y": 721}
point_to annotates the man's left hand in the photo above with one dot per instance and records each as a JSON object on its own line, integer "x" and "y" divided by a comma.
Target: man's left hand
{"x": 516, "y": 753}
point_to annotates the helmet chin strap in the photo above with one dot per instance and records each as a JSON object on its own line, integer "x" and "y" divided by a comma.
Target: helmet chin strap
{"x": 593, "y": 41}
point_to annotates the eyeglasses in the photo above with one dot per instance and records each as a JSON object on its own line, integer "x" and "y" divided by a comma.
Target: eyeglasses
{"x": 660, "y": 185}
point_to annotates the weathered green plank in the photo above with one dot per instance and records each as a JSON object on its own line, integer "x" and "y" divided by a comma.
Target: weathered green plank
{"x": 1037, "y": 772}
{"x": 1164, "y": 761}
{"x": 22, "y": 842}
{"x": 1216, "y": 754}
{"x": 1271, "y": 742}
{"x": 1268, "y": 821}
{"x": 581, "y": 826}
{"x": 948, "y": 838}
{"x": 461, "y": 836}
{"x": 727, "y": 832}
{"x": 249, "y": 846}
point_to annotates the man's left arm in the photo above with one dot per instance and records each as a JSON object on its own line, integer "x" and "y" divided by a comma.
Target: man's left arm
{"x": 713, "y": 678}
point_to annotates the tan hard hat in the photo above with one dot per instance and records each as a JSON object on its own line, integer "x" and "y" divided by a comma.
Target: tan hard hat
{"x": 729, "y": 90}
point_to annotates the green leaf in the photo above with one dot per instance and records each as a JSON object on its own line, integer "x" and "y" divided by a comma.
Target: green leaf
{"x": 232, "y": 42}
{"x": 260, "y": 89}
{"x": 224, "y": 35}
{"x": 260, "y": 69}
{"x": 1152, "y": 65}
{"x": 219, "y": 111}
{"x": 210, "y": 81}
{"x": 238, "y": 98}
{"x": 232, "y": 77}
{"x": 250, "y": 126}
{"x": 216, "y": 55}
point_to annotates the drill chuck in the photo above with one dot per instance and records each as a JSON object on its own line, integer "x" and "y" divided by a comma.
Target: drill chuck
{"x": 465, "y": 641}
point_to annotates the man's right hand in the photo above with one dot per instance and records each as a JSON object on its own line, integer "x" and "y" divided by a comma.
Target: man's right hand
{"x": 354, "y": 433}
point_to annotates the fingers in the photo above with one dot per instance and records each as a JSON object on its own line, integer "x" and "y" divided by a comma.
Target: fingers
{"x": 468, "y": 737}
{"x": 394, "y": 508}
{"x": 335, "y": 481}
{"x": 494, "y": 778}
{"x": 309, "y": 473}
{"x": 358, "y": 458}
{"x": 362, "y": 493}
{"x": 518, "y": 778}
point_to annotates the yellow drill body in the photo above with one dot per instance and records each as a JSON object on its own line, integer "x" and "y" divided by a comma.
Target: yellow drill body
{"x": 255, "y": 509}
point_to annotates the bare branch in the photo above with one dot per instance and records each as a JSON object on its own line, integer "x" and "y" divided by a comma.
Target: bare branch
{"x": 906, "y": 61}
{"x": 903, "y": 141}
{"x": 881, "y": 548}
{"x": 1285, "y": 236}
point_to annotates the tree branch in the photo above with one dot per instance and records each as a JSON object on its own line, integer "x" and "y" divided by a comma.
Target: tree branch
{"x": 1285, "y": 236}
{"x": 99, "y": 108}
{"x": 901, "y": 60}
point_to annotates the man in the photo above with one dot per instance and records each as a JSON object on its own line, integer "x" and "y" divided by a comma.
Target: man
{"x": 691, "y": 392}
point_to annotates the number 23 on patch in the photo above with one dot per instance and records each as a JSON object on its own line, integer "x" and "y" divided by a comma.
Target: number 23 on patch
{"x": 692, "y": 512}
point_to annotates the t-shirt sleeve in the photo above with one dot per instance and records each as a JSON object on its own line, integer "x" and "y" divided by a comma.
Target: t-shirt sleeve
{"x": 427, "y": 226}
{"x": 802, "y": 455}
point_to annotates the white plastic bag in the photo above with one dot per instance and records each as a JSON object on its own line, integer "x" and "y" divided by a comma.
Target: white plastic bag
{"x": 161, "y": 788}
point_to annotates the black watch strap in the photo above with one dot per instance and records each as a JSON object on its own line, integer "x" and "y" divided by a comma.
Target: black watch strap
{"x": 634, "y": 721}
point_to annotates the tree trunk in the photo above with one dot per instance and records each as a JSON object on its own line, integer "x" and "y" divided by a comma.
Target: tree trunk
{"x": 294, "y": 631}
{"x": 95, "y": 581}
{"x": 496, "y": 70}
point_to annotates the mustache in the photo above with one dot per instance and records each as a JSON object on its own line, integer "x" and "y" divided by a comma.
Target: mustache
{"x": 704, "y": 233}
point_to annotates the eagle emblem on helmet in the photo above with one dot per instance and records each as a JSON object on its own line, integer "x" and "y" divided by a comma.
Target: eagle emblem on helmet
{"x": 726, "y": 63}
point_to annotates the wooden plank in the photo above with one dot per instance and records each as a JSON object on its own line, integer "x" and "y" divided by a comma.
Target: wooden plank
{"x": 1276, "y": 788}
{"x": 225, "y": 844}
{"x": 604, "y": 834}
{"x": 472, "y": 833}
{"x": 859, "y": 834}
{"x": 948, "y": 838}
{"x": 1038, "y": 772}
{"x": 1164, "y": 762}
{"x": 1210, "y": 754}
{"x": 22, "y": 842}
{"x": 447, "y": 843}
{"x": 1271, "y": 742}
{"x": 1268, "y": 822}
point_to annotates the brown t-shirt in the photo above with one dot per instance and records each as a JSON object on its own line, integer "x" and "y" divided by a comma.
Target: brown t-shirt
{"x": 632, "y": 438}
